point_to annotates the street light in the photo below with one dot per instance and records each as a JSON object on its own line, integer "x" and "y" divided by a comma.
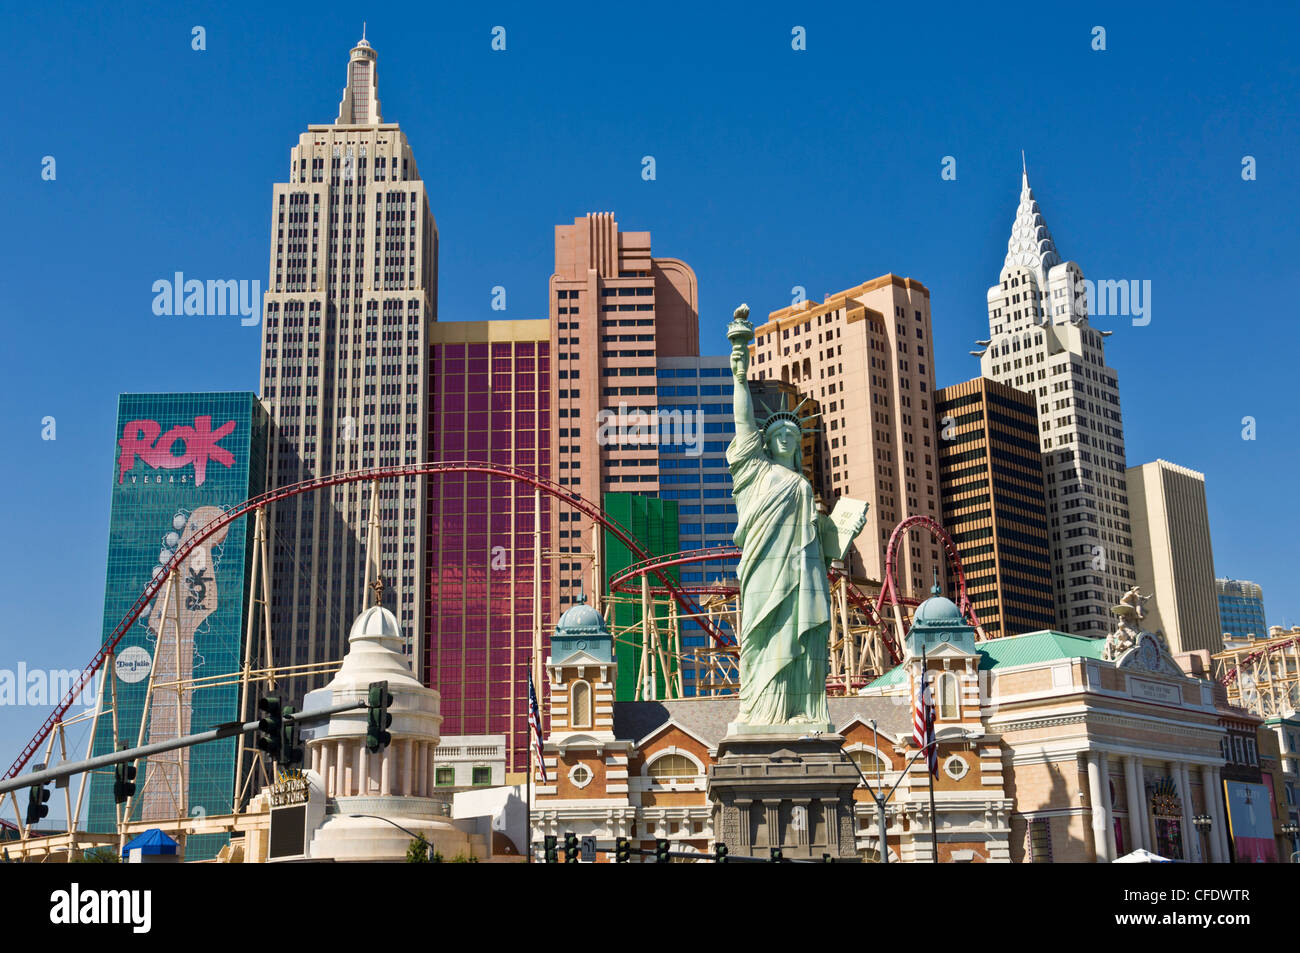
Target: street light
{"x": 880, "y": 800}
{"x": 1291, "y": 829}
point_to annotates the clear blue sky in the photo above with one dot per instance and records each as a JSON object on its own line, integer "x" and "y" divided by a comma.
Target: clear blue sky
{"x": 775, "y": 168}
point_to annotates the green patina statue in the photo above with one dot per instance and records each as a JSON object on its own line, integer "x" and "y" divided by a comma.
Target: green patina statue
{"x": 785, "y": 546}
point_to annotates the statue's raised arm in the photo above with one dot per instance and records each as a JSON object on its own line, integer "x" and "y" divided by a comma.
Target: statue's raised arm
{"x": 740, "y": 332}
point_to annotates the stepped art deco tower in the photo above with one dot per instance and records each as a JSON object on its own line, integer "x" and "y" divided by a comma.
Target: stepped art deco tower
{"x": 352, "y": 296}
{"x": 1040, "y": 342}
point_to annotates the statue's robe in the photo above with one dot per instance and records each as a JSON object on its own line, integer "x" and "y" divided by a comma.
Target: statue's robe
{"x": 784, "y": 592}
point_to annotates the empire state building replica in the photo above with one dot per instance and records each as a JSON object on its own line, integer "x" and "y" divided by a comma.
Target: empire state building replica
{"x": 352, "y": 295}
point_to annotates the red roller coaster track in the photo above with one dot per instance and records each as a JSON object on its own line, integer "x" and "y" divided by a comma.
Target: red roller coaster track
{"x": 516, "y": 474}
{"x": 1231, "y": 675}
{"x": 889, "y": 591}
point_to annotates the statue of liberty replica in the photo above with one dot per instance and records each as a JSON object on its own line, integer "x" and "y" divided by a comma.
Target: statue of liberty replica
{"x": 786, "y": 546}
{"x": 761, "y": 799}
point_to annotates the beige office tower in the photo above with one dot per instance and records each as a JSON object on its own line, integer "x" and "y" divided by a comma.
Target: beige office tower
{"x": 1174, "y": 557}
{"x": 867, "y": 357}
{"x": 615, "y": 310}
{"x": 352, "y": 294}
{"x": 1040, "y": 342}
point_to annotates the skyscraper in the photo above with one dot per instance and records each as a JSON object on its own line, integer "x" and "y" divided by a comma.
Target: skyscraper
{"x": 489, "y": 402}
{"x": 615, "y": 311}
{"x": 1040, "y": 342}
{"x": 179, "y": 461}
{"x": 350, "y": 302}
{"x": 1241, "y": 608}
{"x": 1174, "y": 558}
{"x": 991, "y": 473}
{"x": 866, "y": 356}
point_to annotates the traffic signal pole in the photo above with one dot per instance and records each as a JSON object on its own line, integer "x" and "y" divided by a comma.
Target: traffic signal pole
{"x": 227, "y": 730}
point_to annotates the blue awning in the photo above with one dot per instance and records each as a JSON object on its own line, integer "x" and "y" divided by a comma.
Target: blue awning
{"x": 152, "y": 841}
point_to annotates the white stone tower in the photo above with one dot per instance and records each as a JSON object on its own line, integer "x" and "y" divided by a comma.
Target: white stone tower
{"x": 1040, "y": 342}
{"x": 349, "y": 304}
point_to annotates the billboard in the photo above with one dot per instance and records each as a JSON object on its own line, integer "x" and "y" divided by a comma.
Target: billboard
{"x": 1250, "y": 820}
{"x": 178, "y": 461}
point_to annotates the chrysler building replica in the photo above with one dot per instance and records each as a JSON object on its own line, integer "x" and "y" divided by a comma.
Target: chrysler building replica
{"x": 1040, "y": 342}
{"x": 352, "y": 294}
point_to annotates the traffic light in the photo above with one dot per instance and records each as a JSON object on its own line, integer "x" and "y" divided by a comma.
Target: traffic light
{"x": 622, "y": 850}
{"x": 777, "y": 856}
{"x": 661, "y": 851}
{"x": 270, "y": 726}
{"x": 720, "y": 853}
{"x": 548, "y": 846}
{"x": 123, "y": 782}
{"x": 377, "y": 717}
{"x": 36, "y": 798}
{"x": 571, "y": 848}
{"x": 290, "y": 750}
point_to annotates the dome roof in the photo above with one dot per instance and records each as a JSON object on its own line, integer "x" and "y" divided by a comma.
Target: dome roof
{"x": 938, "y": 611}
{"x": 376, "y": 624}
{"x": 580, "y": 616}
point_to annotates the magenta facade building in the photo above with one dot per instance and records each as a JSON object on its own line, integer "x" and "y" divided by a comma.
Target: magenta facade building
{"x": 489, "y": 402}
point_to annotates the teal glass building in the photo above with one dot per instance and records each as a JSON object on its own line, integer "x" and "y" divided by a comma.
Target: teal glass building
{"x": 1241, "y": 608}
{"x": 177, "y": 461}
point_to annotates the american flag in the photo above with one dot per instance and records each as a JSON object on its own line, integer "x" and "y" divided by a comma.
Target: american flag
{"x": 923, "y": 722}
{"x": 535, "y": 722}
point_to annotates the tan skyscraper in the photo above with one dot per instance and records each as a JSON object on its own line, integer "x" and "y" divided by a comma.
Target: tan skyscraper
{"x": 615, "y": 309}
{"x": 352, "y": 294}
{"x": 1174, "y": 556}
{"x": 866, "y": 356}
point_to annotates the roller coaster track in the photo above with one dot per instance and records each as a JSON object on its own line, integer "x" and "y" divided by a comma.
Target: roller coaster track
{"x": 516, "y": 474}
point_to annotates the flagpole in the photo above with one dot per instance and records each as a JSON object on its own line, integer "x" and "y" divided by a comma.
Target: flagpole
{"x": 929, "y": 773}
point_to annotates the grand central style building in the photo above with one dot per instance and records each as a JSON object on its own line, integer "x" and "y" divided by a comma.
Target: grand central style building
{"x": 1047, "y": 751}
{"x": 1040, "y": 342}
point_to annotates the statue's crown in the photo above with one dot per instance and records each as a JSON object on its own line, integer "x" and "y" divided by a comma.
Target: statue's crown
{"x": 773, "y": 417}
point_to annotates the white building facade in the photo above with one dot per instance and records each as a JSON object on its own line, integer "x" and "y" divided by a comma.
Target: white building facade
{"x": 1040, "y": 342}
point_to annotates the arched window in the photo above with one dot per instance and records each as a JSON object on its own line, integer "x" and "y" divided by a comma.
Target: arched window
{"x": 580, "y": 705}
{"x": 869, "y": 763}
{"x": 949, "y": 707}
{"x": 672, "y": 766}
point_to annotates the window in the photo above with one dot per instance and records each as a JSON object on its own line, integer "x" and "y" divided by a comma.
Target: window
{"x": 1040, "y": 841}
{"x": 580, "y": 705}
{"x": 482, "y": 775}
{"x": 672, "y": 766}
{"x": 869, "y": 763}
{"x": 444, "y": 777}
{"x": 949, "y": 707}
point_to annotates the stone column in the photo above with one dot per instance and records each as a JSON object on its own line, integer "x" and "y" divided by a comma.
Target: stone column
{"x": 1222, "y": 821}
{"x": 1099, "y": 798}
{"x": 1183, "y": 778}
{"x": 324, "y": 751}
{"x": 1133, "y": 792}
{"x": 1210, "y": 791}
{"x": 425, "y": 768}
{"x": 1110, "y": 807}
{"x": 385, "y": 771}
{"x": 363, "y": 772}
{"x": 408, "y": 751}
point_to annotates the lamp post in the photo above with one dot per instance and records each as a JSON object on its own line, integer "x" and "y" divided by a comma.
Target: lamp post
{"x": 1202, "y": 823}
{"x": 881, "y": 800}
{"x": 1291, "y": 829}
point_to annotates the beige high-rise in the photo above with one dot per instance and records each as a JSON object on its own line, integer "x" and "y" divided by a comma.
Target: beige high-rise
{"x": 867, "y": 357}
{"x": 615, "y": 310}
{"x": 352, "y": 294}
{"x": 1174, "y": 556}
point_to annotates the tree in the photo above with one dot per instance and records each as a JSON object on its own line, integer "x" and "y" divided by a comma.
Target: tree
{"x": 419, "y": 853}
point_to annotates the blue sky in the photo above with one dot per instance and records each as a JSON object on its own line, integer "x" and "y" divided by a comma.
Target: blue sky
{"x": 775, "y": 168}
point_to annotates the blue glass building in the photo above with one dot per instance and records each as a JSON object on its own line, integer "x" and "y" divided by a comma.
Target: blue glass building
{"x": 178, "y": 460}
{"x": 693, "y": 468}
{"x": 1241, "y": 608}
